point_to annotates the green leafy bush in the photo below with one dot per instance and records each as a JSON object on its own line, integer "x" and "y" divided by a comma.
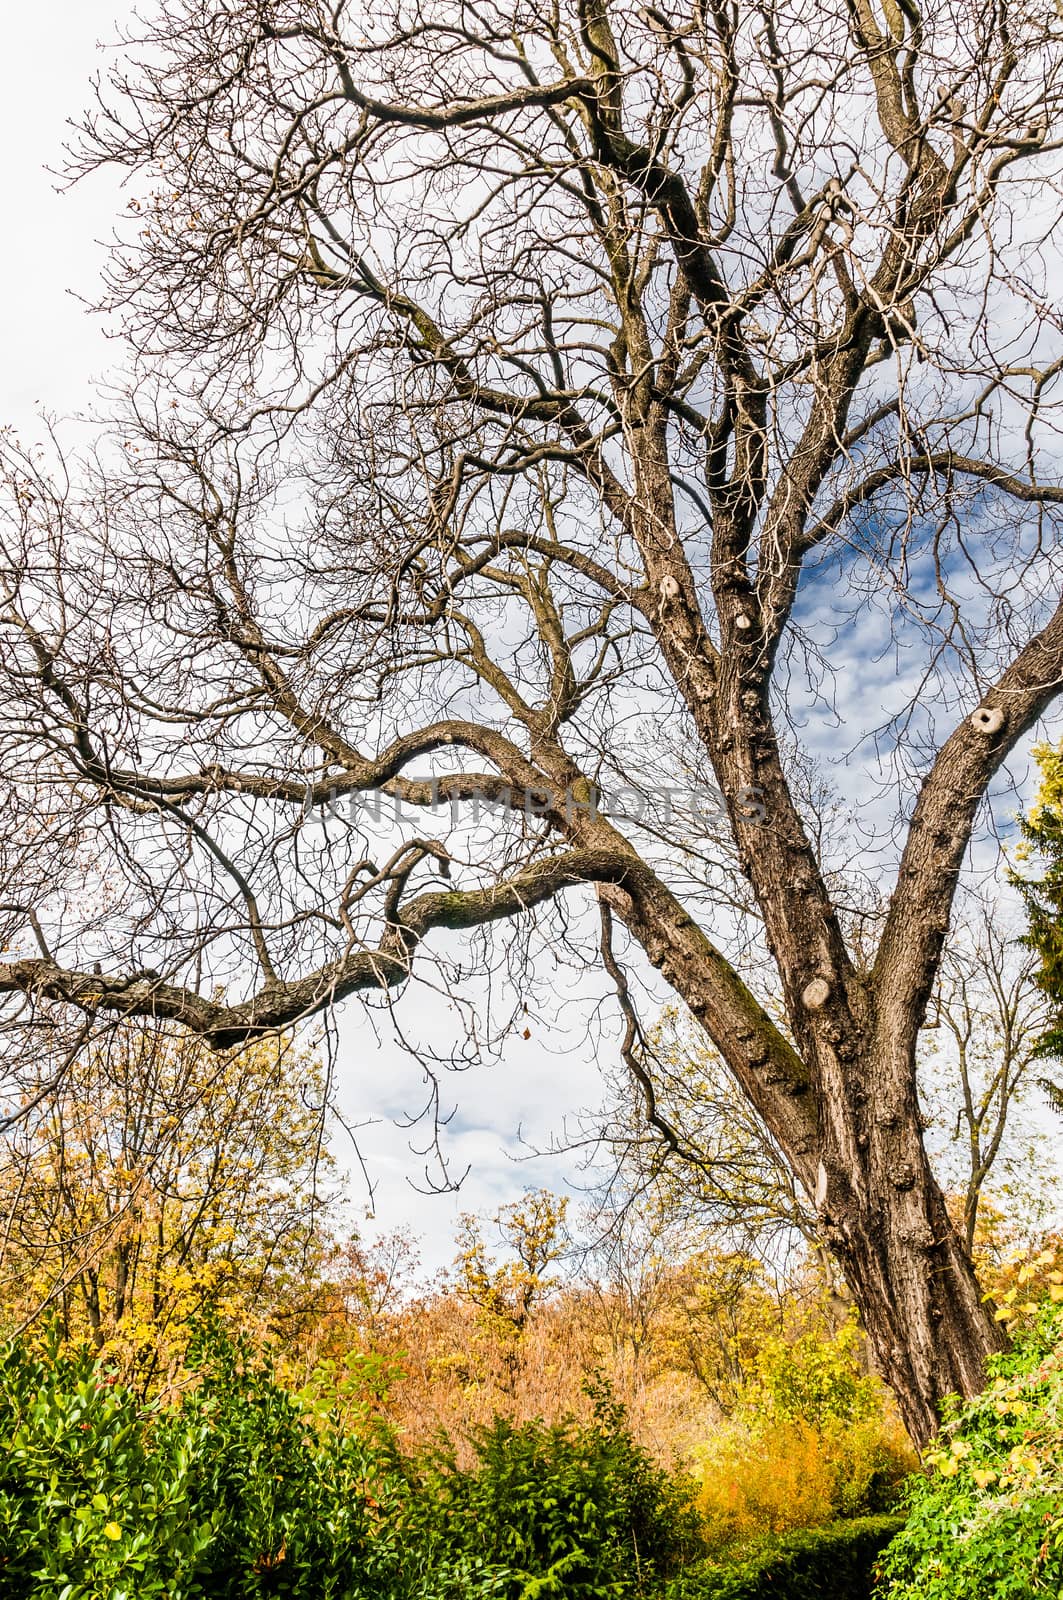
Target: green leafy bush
{"x": 986, "y": 1521}
{"x": 828, "y": 1563}
{"x": 235, "y": 1493}
{"x": 243, "y": 1489}
{"x": 579, "y": 1512}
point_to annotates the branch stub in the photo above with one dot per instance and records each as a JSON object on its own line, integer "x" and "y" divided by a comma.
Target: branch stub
{"x": 987, "y": 720}
{"x": 815, "y": 994}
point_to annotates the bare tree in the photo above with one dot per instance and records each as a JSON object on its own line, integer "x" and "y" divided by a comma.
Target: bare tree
{"x": 992, "y": 1018}
{"x": 677, "y": 1135}
{"x": 656, "y": 1283}
{"x": 509, "y": 380}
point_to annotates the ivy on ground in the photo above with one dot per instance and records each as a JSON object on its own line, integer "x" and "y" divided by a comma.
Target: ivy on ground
{"x": 986, "y": 1521}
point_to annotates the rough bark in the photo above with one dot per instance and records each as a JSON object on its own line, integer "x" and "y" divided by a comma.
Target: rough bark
{"x": 856, "y": 1142}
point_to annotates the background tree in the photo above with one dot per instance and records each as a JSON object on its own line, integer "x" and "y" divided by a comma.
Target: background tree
{"x": 508, "y": 386}
{"x": 978, "y": 1072}
{"x": 506, "y": 1292}
{"x": 161, "y": 1180}
{"x": 698, "y": 1146}
{"x": 627, "y": 1261}
{"x": 676, "y": 1129}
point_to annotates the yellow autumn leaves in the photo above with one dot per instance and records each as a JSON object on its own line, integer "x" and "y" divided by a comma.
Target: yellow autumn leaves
{"x": 1020, "y": 1463}
{"x": 161, "y": 1180}
{"x": 1032, "y": 1282}
{"x": 1013, "y": 1446}
{"x": 948, "y": 1465}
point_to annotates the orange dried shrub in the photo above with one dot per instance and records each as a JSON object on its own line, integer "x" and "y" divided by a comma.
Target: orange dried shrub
{"x": 756, "y": 1389}
{"x": 456, "y": 1372}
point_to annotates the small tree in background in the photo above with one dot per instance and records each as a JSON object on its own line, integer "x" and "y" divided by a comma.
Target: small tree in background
{"x": 505, "y": 1293}
{"x": 978, "y": 1076}
{"x": 160, "y": 1179}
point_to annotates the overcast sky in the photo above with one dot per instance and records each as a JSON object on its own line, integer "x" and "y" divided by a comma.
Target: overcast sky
{"x": 52, "y": 349}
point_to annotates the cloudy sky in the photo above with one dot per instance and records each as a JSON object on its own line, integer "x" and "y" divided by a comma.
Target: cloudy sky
{"x": 51, "y": 351}
{"x": 49, "y": 346}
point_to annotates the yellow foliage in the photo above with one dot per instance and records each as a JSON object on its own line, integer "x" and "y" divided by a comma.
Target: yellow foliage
{"x": 1049, "y": 797}
{"x": 505, "y": 1292}
{"x": 1019, "y": 1283}
{"x": 163, "y": 1179}
{"x": 777, "y": 1474}
{"x": 814, "y": 1436}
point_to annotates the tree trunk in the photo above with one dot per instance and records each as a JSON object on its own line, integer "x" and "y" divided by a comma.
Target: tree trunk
{"x": 844, "y": 1110}
{"x": 929, "y": 1330}
{"x": 882, "y": 1212}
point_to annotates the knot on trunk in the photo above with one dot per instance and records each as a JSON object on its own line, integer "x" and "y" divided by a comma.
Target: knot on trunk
{"x": 987, "y": 720}
{"x": 815, "y": 994}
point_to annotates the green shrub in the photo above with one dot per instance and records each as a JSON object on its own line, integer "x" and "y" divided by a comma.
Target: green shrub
{"x": 243, "y": 1489}
{"x": 986, "y": 1521}
{"x": 835, "y": 1562}
{"x": 578, "y": 1512}
{"x": 233, "y": 1494}
{"x": 85, "y": 1503}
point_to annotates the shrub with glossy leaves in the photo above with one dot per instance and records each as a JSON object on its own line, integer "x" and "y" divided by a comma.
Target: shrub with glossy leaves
{"x": 580, "y": 1512}
{"x": 236, "y": 1492}
{"x": 243, "y": 1489}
